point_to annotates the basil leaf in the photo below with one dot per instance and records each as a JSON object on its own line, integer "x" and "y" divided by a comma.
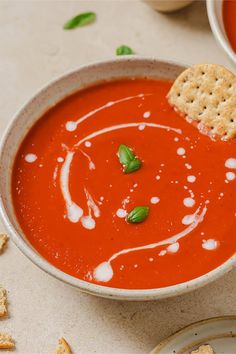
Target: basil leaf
{"x": 80, "y": 20}
{"x": 134, "y": 165}
{"x": 138, "y": 214}
{"x": 124, "y": 50}
{"x": 125, "y": 155}
{"x": 128, "y": 159}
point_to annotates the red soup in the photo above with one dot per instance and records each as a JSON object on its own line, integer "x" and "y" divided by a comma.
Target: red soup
{"x": 72, "y": 197}
{"x": 229, "y": 18}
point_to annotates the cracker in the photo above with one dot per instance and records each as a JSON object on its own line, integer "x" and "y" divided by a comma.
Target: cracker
{"x": 3, "y": 241}
{"x": 3, "y": 302}
{"x": 203, "y": 349}
{"x": 6, "y": 341}
{"x": 63, "y": 347}
{"x": 206, "y": 94}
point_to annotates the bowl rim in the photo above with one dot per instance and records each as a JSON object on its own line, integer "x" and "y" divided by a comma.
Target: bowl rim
{"x": 217, "y": 31}
{"x": 188, "y": 327}
{"x": 82, "y": 285}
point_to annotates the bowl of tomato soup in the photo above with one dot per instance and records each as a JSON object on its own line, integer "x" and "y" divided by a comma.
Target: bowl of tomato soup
{"x": 221, "y": 15}
{"x": 105, "y": 187}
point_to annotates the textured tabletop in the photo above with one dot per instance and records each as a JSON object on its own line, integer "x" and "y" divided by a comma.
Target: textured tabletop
{"x": 33, "y": 50}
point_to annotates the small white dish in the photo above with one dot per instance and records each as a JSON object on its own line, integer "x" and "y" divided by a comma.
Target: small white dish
{"x": 168, "y": 5}
{"x": 215, "y": 16}
{"x": 218, "y": 332}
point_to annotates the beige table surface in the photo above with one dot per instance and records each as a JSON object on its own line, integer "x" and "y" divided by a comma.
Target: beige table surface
{"x": 33, "y": 50}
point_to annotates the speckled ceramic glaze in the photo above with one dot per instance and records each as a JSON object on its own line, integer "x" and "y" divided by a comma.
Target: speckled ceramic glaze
{"x": 214, "y": 11}
{"x": 30, "y": 113}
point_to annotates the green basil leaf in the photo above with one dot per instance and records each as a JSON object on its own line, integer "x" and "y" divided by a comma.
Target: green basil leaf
{"x": 125, "y": 154}
{"x": 80, "y": 20}
{"x": 138, "y": 214}
{"x": 133, "y": 166}
{"x": 124, "y": 50}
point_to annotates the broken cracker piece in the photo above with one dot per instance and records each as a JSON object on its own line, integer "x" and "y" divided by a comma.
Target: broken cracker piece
{"x": 206, "y": 94}
{"x": 3, "y": 241}
{"x": 63, "y": 347}
{"x": 3, "y": 302}
{"x": 6, "y": 341}
{"x": 203, "y": 349}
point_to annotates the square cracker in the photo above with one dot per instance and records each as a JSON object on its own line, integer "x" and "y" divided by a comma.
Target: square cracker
{"x": 63, "y": 347}
{"x": 206, "y": 94}
{"x": 203, "y": 349}
{"x": 3, "y": 241}
{"x": 6, "y": 341}
{"x": 3, "y": 302}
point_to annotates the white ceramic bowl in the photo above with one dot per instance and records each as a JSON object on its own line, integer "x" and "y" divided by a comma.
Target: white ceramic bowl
{"x": 30, "y": 113}
{"x": 214, "y": 11}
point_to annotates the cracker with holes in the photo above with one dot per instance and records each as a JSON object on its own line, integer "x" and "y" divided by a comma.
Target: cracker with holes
{"x": 6, "y": 341}
{"x": 206, "y": 95}
{"x": 63, "y": 347}
{"x": 3, "y": 241}
{"x": 3, "y": 302}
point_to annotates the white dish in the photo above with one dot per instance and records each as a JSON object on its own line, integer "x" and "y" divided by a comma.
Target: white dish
{"x": 219, "y": 333}
{"x": 214, "y": 11}
{"x": 54, "y": 92}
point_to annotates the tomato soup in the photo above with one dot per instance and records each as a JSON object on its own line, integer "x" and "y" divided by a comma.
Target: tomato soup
{"x": 229, "y": 18}
{"x": 72, "y": 197}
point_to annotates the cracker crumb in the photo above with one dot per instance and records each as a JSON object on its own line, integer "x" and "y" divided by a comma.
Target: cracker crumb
{"x": 3, "y": 302}
{"x": 3, "y": 241}
{"x": 63, "y": 347}
{"x": 6, "y": 341}
{"x": 203, "y": 349}
{"x": 206, "y": 95}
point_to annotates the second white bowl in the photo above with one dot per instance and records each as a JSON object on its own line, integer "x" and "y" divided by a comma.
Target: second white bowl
{"x": 215, "y": 16}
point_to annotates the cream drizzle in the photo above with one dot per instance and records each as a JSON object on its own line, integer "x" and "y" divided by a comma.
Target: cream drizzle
{"x": 210, "y": 244}
{"x": 189, "y": 202}
{"x": 87, "y": 144}
{"x": 188, "y": 166}
{"x": 124, "y": 126}
{"x": 72, "y": 125}
{"x": 173, "y": 248}
{"x": 188, "y": 219}
{"x": 146, "y": 114}
{"x": 155, "y": 200}
{"x": 191, "y": 179}
{"x": 92, "y": 206}
{"x": 104, "y": 270}
{"x": 91, "y": 163}
{"x": 121, "y": 213}
{"x": 231, "y": 163}
{"x": 230, "y": 176}
{"x": 125, "y": 201}
{"x": 180, "y": 151}
{"x": 162, "y": 253}
{"x": 30, "y": 158}
{"x": 55, "y": 175}
{"x": 88, "y": 221}
{"x": 141, "y": 126}
{"x": 74, "y": 212}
